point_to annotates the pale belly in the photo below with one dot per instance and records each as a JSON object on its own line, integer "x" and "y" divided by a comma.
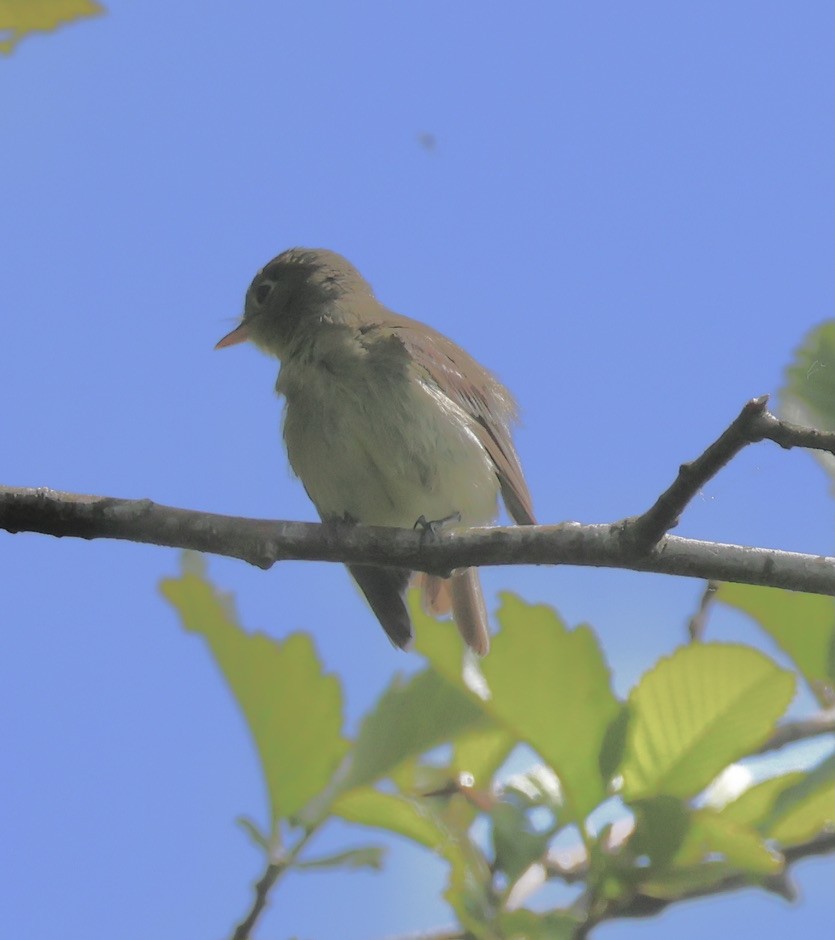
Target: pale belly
{"x": 388, "y": 455}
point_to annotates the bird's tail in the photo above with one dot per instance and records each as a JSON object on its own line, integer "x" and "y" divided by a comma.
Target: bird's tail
{"x": 461, "y": 596}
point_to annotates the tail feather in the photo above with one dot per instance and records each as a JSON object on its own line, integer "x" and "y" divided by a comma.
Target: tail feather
{"x": 385, "y": 591}
{"x": 434, "y": 594}
{"x": 468, "y": 609}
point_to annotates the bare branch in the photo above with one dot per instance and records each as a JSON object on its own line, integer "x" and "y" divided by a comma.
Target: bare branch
{"x": 645, "y": 906}
{"x": 263, "y": 542}
{"x": 262, "y": 892}
{"x": 753, "y": 424}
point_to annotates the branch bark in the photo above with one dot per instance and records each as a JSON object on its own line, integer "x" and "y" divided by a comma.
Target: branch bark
{"x": 638, "y": 543}
{"x": 263, "y": 542}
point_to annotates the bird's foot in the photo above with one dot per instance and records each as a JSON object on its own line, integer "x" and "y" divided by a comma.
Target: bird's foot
{"x": 431, "y": 527}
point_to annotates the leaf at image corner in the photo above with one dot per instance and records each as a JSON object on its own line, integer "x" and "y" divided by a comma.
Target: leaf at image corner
{"x": 21, "y": 18}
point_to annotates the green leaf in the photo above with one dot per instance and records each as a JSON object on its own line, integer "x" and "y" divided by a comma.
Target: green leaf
{"x": 407, "y": 817}
{"x": 19, "y": 18}
{"x": 802, "y": 625}
{"x": 695, "y": 712}
{"x": 551, "y": 687}
{"x": 711, "y": 834}
{"x": 482, "y": 753}
{"x": 293, "y": 709}
{"x": 661, "y": 825}
{"x": 682, "y": 882}
{"x": 410, "y": 717}
{"x": 808, "y": 397}
{"x": 752, "y": 807}
{"x": 529, "y": 925}
{"x": 806, "y": 807}
{"x": 516, "y": 843}
{"x": 369, "y": 857}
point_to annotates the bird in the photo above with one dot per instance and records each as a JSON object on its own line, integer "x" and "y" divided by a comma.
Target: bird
{"x": 387, "y": 422}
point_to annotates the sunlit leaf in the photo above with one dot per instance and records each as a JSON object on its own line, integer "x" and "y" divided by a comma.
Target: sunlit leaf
{"x": 711, "y": 834}
{"x": 19, "y": 18}
{"x": 293, "y": 709}
{"x": 803, "y": 626}
{"x": 752, "y": 807}
{"x": 482, "y": 753}
{"x": 551, "y": 687}
{"x": 806, "y": 807}
{"x": 405, "y": 816}
{"x": 695, "y": 712}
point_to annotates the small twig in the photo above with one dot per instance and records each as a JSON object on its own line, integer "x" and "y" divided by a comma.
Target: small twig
{"x": 698, "y": 622}
{"x": 801, "y": 730}
{"x": 274, "y": 870}
{"x": 262, "y": 892}
{"x": 752, "y": 424}
{"x": 642, "y": 905}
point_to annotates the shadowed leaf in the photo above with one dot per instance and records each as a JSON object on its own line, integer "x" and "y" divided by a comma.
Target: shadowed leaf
{"x": 412, "y": 716}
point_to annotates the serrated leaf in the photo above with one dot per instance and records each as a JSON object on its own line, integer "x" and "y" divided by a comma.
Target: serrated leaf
{"x": 293, "y": 709}
{"x": 551, "y": 687}
{"x": 695, "y": 712}
{"x": 19, "y": 18}
{"x": 806, "y": 807}
{"x": 370, "y": 856}
{"x": 802, "y": 625}
{"x": 412, "y": 716}
{"x": 710, "y": 833}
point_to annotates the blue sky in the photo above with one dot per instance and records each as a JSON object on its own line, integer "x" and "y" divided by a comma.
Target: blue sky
{"x": 627, "y": 215}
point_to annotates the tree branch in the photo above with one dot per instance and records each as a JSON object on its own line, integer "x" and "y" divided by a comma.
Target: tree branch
{"x": 645, "y": 906}
{"x": 262, "y": 542}
{"x": 638, "y": 543}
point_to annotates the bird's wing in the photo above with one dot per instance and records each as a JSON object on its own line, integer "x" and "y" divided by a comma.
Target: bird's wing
{"x": 479, "y": 393}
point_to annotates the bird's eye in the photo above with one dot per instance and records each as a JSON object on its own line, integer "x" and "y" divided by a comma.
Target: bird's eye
{"x": 263, "y": 291}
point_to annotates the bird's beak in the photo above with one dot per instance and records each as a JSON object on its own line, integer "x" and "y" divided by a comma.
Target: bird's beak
{"x": 239, "y": 335}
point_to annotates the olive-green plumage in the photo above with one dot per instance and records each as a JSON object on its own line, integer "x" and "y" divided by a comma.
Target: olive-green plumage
{"x": 386, "y": 421}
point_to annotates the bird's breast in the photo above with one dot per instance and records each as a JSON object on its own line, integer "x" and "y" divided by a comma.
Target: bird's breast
{"x": 384, "y": 446}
